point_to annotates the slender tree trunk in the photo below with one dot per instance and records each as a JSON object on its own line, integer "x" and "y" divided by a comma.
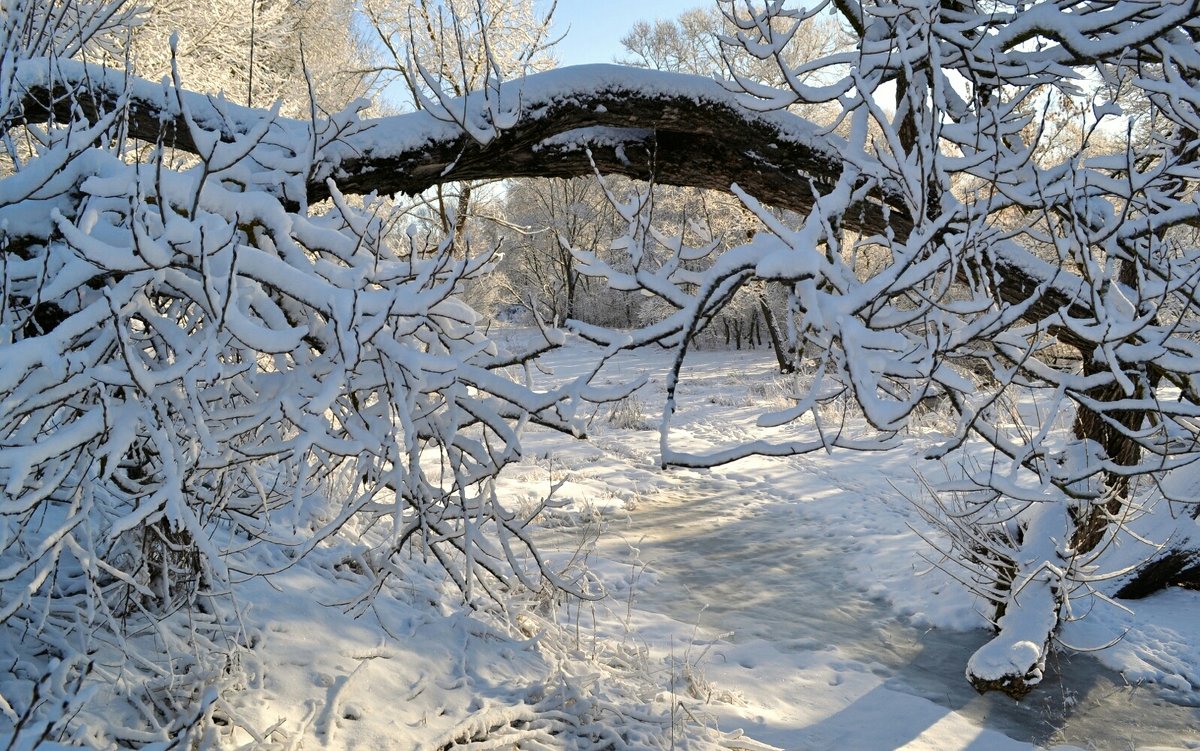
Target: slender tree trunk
{"x": 782, "y": 356}
{"x": 462, "y": 211}
{"x": 572, "y": 283}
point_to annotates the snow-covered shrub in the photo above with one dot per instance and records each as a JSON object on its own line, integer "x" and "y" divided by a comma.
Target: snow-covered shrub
{"x": 201, "y": 381}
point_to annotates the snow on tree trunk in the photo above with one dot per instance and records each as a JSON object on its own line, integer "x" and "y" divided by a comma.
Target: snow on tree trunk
{"x": 1015, "y": 660}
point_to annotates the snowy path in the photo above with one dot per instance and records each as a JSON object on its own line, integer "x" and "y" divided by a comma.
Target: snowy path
{"x": 800, "y": 566}
{"x": 767, "y": 572}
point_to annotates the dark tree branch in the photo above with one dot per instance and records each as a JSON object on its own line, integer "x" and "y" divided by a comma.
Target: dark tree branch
{"x": 682, "y": 130}
{"x": 674, "y": 128}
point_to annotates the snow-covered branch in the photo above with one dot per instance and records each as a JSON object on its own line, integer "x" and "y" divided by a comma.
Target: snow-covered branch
{"x": 678, "y": 129}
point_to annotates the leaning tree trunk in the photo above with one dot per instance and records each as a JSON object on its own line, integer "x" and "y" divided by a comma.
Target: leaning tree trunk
{"x": 782, "y": 356}
{"x": 1012, "y": 661}
{"x": 1176, "y": 567}
{"x": 1056, "y": 540}
{"x": 1029, "y": 615}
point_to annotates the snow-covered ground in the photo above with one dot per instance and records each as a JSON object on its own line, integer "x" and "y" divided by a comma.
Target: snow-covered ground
{"x": 768, "y": 603}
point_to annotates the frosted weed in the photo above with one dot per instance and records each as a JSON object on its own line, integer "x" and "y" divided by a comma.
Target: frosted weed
{"x": 628, "y": 414}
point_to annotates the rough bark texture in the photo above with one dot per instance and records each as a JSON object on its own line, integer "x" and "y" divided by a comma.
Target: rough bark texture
{"x": 674, "y": 139}
{"x": 1174, "y": 568}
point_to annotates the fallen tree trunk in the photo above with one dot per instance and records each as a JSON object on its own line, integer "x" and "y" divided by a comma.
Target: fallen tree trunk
{"x": 1177, "y": 567}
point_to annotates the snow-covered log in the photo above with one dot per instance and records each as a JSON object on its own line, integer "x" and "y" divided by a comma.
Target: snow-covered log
{"x": 1015, "y": 659}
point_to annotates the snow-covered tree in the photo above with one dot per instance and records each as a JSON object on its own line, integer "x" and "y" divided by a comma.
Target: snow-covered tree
{"x": 437, "y": 50}
{"x": 1001, "y": 249}
{"x": 255, "y": 52}
{"x": 703, "y": 41}
{"x": 449, "y": 47}
{"x": 191, "y": 356}
{"x": 545, "y": 220}
{"x": 196, "y": 366}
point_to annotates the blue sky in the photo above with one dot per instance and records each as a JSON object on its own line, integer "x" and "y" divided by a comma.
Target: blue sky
{"x": 593, "y": 30}
{"x": 596, "y": 26}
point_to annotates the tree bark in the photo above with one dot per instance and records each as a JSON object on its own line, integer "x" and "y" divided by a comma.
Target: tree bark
{"x": 674, "y": 128}
{"x": 1178, "y": 567}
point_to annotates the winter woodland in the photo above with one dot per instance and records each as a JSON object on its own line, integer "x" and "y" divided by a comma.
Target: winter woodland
{"x": 248, "y": 318}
